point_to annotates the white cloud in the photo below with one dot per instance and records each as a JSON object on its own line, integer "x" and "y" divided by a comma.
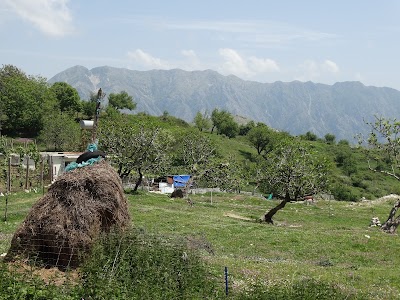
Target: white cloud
{"x": 263, "y": 65}
{"x": 146, "y": 60}
{"x": 246, "y": 67}
{"x": 52, "y": 17}
{"x": 234, "y": 63}
{"x": 250, "y": 33}
{"x": 192, "y": 62}
{"x": 316, "y": 71}
{"x": 330, "y": 66}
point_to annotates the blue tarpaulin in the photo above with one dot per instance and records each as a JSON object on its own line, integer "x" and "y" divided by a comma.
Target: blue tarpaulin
{"x": 180, "y": 180}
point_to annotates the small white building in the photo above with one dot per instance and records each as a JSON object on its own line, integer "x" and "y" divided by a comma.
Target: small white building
{"x": 58, "y": 161}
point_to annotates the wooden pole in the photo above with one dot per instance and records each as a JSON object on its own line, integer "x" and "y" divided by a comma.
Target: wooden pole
{"x": 51, "y": 169}
{"x": 27, "y": 172}
{"x": 100, "y": 96}
{"x": 41, "y": 171}
{"x": 5, "y": 211}
{"x": 9, "y": 176}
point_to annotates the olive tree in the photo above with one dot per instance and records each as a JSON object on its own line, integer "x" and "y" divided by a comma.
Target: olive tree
{"x": 384, "y": 157}
{"x": 140, "y": 148}
{"x": 291, "y": 172}
{"x": 60, "y": 132}
{"x": 261, "y": 137}
{"x": 121, "y": 100}
{"x": 202, "y": 121}
{"x": 224, "y": 122}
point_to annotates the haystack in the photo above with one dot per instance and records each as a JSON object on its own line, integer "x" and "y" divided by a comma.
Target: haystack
{"x": 62, "y": 226}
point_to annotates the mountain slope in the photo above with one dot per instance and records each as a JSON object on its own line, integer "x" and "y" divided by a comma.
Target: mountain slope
{"x": 296, "y": 107}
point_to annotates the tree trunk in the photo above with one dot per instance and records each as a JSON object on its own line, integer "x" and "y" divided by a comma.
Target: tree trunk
{"x": 392, "y": 223}
{"x": 139, "y": 181}
{"x": 188, "y": 184}
{"x": 268, "y": 216}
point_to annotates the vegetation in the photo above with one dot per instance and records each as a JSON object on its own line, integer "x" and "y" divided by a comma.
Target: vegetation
{"x": 24, "y": 101}
{"x": 67, "y": 97}
{"x": 299, "y": 259}
{"x": 135, "y": 147}
{"x": 385, "y": 137}
{"x": 321, "y": 251}
{"x": 292, "y": 172}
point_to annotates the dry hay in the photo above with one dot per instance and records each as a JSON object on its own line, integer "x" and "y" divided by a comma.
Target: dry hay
{"x": 62, "y": 226}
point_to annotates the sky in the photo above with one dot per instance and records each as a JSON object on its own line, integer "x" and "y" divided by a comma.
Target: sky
{"x": 258, "y": 40}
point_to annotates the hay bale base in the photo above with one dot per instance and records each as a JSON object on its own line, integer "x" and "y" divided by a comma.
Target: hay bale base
{"x": 62, "y": 226}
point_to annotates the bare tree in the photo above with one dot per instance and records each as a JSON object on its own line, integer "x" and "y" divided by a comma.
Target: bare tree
{"x": 384, "y": 157}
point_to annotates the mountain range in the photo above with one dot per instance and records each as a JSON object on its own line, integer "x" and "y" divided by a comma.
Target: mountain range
{"x": 296, "y": 107}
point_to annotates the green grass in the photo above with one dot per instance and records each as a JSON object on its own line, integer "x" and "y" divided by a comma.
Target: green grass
{"x": 327, "y": 246}
{"x": 330, "y": 241}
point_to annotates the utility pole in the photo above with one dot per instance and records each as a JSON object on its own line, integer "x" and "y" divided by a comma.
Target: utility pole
{"x": 100, "y": 96}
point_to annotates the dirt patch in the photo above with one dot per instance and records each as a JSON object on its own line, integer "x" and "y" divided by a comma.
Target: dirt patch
{"x": 5, "y": 236}
{"x": 235, "y": 216}
{"x": 49, "y": 276}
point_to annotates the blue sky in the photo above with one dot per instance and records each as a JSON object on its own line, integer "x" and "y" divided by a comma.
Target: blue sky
{"x": 260, "y": 40}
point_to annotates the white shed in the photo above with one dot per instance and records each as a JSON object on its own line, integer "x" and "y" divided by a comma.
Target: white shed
{"x": 58, "y": 161}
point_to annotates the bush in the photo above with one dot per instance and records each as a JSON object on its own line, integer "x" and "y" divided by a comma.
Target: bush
{"x": 135, "y": 265}
{"x": 344, "y": 193}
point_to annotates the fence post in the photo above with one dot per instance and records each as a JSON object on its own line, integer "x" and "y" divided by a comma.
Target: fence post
{"x": 226, "y": 281}
{"x": 27, "y": 172}
{"x": 9, "y": 176}
{"x": 5, "y": 211}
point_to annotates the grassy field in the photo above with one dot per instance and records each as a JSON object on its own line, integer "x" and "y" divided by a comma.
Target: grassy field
{"x": 329, "y": 241}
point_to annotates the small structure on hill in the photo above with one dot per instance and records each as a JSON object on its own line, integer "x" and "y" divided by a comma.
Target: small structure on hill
{"x": 57, "y": 162}
{"x": 168, "y": 184}
{"x": 62, "y": 226}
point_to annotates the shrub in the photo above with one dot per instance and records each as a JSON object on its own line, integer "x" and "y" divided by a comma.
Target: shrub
{"x": 135, "y": 265}
{"x": 344, "y": 193}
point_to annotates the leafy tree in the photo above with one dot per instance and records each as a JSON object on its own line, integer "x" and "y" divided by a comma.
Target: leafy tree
{"x": 121, "y": 100}
{"x": 344, "y": 142}
{"x": 245, "y": 128}
{"x": 293, "y": 171}
{"x": 309, "y": 136}
{"x": 224, "y": 122}
{"x": 142, "y": 148}
{"x": 193, "y": 151}
{"x": 165, "y": 116}
{"x": 67, "y": 97}
{"x": 225, "y": 173}
{"x": 345, "y": 159}
{"x": 24, "y": 101}
{"x": 384, "y": 157}
{"x": 194, "y": 154}
{"x": 260, "y": 137}
{"x": 229, "y": 127}
{"x": 89, "y": 107}
{"x": 202, "y": 122}
{"x": 60, "y": 132}
{"x": 330, "y": 138}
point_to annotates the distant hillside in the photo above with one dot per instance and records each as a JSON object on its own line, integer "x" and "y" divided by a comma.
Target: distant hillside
{"x": 296, "y": 107}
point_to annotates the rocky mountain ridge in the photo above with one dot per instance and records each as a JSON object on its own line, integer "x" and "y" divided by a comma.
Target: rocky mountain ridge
{"x": 297, "y": 107}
